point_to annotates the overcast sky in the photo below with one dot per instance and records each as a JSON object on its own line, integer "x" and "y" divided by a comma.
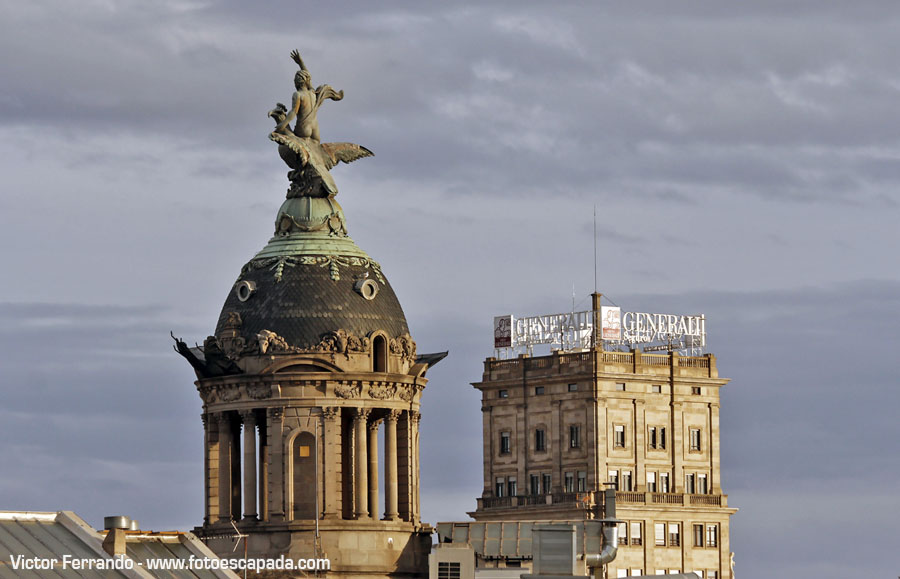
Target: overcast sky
{"x": 744, "y": 161}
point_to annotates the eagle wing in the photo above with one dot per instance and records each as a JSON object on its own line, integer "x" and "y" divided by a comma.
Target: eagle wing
{"x": 291, "y": 142}
{"x": 346, "y": 152}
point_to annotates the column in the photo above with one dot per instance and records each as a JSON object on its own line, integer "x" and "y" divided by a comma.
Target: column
{"x": 390, "y": 466}
{"x": 487, "y": 448}
{"x": 224, "y": 426}
{"x": 404, "y": 493}
{"x": 331, "y": 457}
{"x": 236, "y": 469}
{"x": 262, "y": 482}
{"x": 210, "y": 470}
{"x": 714, "y": 475}
{"x": 276, "y": 463}
{"x": 373, "y": 467}
{"x": 362, "y": 463}
{"x": 677, "y": 446}
{"x": 414, "y": 461}
{"x": 249, "y": 420}
{"x": 639, "y": 445}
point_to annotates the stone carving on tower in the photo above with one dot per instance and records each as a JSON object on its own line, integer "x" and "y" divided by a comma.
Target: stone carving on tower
{"x": 311, "y": 360}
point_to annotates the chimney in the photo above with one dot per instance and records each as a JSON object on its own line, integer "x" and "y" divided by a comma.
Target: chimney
{"x": 114, "y": 543}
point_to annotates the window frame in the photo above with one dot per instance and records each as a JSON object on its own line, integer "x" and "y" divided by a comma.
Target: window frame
{"x": 574, "y": 436}
{"x": 540, "y": 440}
{"x": 505, "y": 442}
{"x": 503, "y": 393}
{"x": 619, "y": 440}
{"x": 695, "y": 445}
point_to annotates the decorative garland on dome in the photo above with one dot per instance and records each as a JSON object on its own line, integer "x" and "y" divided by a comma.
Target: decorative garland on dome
{"x": 332, "y": 262}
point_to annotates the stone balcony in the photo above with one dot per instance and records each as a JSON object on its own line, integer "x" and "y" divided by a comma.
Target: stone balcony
{"x": 587, "y": 501}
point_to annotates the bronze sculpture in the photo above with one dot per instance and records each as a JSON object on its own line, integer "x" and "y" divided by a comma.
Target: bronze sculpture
{"x": 300, "y": 147}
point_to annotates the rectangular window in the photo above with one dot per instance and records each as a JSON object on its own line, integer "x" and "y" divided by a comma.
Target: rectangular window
{"x": 656, "y": 389}
{"x": 570, "y": 482}
{"x": 636, "y": 528}
{"x": 626, "y": 481}
{"x": 698, "y": 535}
{"x": 574, "y": 437}
{"x": 637, "y": 572}
{"x": 695, "y": 390}
{"x": 582, "y": 481}
{"x": 652, "y": 439}
{"x": 448, "y": 570}
{"x": 695, "y": 439}
{"x": 651, "y": 482}
{"x": 621, "y": 572}
{"x": 620, "y": 386}
{"x": 689, "y": 484}
{"x": 500, "y": 488}
{"x": 712, "y": 535}
{"x": 504, "y": 443}
{"x": 623, "y": 533}
{"x": 538, "y": 390}
{"x": 662, "y": 438}
{"x": 503, "y": 394}
{"x": 511, "y": 486}
{"x": 619, "y": 436}
{"x": 712, "y": 575}
{"x": 546, "y": 484}
{"x": 674, "y": 534}
{"x": 701, "y": 484}
{"x": 614, "y": 478}
{"x": 540, "y": 440}
{"x": 573, "y": 387}
{"x": 535, "y": 483}
{"x": 659, "y": 531}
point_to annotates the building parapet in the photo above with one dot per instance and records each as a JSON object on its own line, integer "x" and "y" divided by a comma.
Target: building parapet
{"x": 635, "y": 362}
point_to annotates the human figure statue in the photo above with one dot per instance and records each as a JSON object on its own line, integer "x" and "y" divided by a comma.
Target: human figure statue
{"x": 300, "y": 147}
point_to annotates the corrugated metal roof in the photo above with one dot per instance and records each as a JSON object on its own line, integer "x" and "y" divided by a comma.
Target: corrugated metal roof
{"x": 45, "y": 539}
{"x": 51, "y": 536}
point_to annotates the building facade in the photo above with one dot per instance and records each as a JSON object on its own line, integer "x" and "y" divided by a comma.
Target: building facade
{"x": 557, "y": 428}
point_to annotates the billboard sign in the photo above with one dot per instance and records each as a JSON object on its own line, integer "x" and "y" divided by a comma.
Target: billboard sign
{"x": 503, "y": 332}
{"x": 574, "y": 330}
{"x": 611, "y": 323}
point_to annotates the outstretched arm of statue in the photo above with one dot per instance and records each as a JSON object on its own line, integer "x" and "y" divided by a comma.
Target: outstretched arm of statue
{"x": 295, "y": 55}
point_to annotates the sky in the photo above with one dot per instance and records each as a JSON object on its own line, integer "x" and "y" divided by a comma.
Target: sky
{"x": 744, "y": 162}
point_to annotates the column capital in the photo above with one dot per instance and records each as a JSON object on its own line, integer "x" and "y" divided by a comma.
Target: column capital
{"x": 415, "y": 417}
{"x": 221, "y": 418}
{"x": 205, "y": 418}
{"x": 331, "y": 412}
{"x": 248, "y": 416}
{"x": 362, "y": 413}
{"x": 374, "y": 424}
{"x": 393, "y": 415}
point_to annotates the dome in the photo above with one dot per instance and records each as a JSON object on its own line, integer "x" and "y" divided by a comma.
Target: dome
{"x": 310, "y": 280}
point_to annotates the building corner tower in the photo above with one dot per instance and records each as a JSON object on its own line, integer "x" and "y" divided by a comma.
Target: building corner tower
{"x": 310, "y": 366}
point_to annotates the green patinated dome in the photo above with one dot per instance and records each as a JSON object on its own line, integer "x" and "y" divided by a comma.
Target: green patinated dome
{"x": 310, "y": 280}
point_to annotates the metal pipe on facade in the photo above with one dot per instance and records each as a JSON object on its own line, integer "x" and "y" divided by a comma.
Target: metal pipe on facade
{"x": 596, "y": 561}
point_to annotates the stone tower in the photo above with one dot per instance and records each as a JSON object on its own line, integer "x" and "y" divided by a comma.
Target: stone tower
{"x": 310, "y": 365}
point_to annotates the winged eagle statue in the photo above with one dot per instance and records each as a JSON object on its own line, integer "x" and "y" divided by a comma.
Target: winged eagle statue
{"x": 300, "y": 147}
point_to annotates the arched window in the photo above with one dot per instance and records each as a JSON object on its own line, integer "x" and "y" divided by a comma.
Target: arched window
{"x": 304, "y": 456}
{"x": 379, "y": 354}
